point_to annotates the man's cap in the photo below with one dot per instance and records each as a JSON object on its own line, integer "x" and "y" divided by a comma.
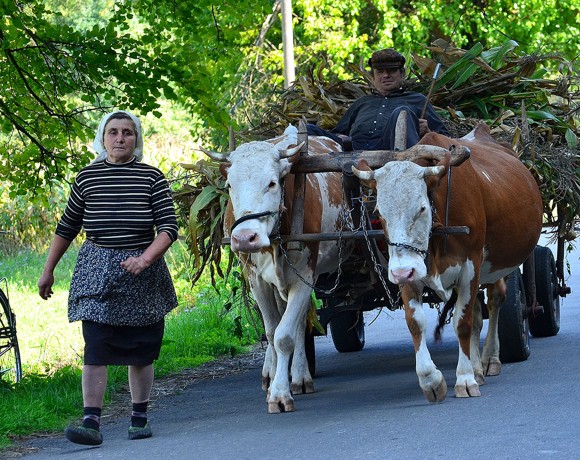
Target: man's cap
{"x": 386, "y": 59}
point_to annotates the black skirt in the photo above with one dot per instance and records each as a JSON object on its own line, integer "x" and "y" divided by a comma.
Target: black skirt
{"x": 122, "y": 345}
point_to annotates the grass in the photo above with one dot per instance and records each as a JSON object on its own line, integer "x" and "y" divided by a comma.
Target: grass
{"x": 49, "y": 396}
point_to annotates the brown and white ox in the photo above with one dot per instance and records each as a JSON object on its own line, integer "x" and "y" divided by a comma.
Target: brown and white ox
{"x": 493, "y": 194}
{"x": 261, "y": 190}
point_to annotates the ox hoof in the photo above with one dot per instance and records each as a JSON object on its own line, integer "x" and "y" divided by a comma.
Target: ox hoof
{"x": 479, "y": 378}
{"x": 493, "y": 369}
{"x": 469, "y": 391}
{"x": 436, "y": 394}
{"x": 303, "y": 388}
{"x": 276, "y": 407}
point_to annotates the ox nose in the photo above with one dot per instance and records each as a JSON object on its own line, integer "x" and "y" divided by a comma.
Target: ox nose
{"x": 245, "y": 241}
{"x": 403, "y": 276}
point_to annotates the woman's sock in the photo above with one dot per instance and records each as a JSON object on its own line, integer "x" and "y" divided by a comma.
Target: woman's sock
{"x": 139, "y": 414}
{"x": 92, "y": 418}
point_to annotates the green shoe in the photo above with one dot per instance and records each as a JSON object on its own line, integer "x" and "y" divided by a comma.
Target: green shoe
{"x": 82, "y": 435}
{"x": 140, "y": 432}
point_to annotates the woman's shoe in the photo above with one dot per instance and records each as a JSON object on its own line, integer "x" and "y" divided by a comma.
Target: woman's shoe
{"x": 82, "y": 435}
{"x": 140, "y": 432}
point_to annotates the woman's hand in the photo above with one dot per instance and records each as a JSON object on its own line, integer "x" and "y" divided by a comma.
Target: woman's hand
{"x": 135, "y": 265}
{"x": 45, "y": 285}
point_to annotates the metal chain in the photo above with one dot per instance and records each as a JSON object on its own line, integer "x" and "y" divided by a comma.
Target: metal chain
{"x": 376, "y": 266}
{"x": 344, "y": 214}
{"x": 437, "y": 306}
{"x": 346, "y": 221}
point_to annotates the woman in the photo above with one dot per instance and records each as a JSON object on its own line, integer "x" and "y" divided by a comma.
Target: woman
{"x": 121, "y": 288}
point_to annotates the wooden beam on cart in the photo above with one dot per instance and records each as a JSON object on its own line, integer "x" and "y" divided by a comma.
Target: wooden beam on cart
{"x": 336, "y": 161}
{"x": 359, "y": 235}
{"x": 297, "y": 222}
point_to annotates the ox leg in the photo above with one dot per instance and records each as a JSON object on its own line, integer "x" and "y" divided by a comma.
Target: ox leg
{"x": 285, "y": 336}
{"x": 490, "y": 358}
{"x": 475, "y": 356}
{"x": 301, "y": 378}
{"x": 269, "y": 309}
{"x": 465, "y": 386}
{"x": 431, "y": 379}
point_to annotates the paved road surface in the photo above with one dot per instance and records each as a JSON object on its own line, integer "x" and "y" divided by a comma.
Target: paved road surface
{"x": 368, "y": 405}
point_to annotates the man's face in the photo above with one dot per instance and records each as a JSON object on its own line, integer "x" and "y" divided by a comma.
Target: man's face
{"x": 388, "y": 80}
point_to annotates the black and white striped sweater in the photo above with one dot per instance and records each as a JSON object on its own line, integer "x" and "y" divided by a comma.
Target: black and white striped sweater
{"x": 120, "y": 205}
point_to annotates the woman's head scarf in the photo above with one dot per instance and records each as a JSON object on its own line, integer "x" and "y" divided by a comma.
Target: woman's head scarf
{"x": 99, "y": 142}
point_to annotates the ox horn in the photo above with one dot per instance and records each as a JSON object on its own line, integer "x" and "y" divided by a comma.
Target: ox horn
{"x": 363, "y": 174}
{"x": 286, "y": 153}
{"x": 433, "y": 171}
{"x": 221, "y": 157}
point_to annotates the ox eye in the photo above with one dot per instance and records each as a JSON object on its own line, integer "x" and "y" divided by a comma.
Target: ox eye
{"x": 272, "y": 184}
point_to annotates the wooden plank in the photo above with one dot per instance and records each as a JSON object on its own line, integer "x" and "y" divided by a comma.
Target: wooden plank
{"x": 306, "y": 237}
{"x": 337, "y": 161}
{"x": 297, "y": 222}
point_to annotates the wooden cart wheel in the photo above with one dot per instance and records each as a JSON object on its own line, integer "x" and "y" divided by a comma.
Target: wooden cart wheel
{"x": 348, "y": 331}
{"x": 513, "y": 329}
{"x": 547, "y": 323}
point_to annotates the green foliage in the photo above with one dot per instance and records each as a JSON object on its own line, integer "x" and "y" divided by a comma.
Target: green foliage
{"x": 63, "y": 60}
{"x": 53, "y": 78}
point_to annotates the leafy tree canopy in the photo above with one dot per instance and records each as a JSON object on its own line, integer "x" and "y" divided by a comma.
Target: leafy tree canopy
{"x": 63, "y": 60}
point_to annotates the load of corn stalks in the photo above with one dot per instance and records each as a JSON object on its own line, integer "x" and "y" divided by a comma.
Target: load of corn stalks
{"x": 521, "y": 100}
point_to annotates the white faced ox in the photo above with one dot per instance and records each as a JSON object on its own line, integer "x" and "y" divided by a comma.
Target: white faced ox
{"x": 260, "y": 190}
{"x": 493, "y": 194}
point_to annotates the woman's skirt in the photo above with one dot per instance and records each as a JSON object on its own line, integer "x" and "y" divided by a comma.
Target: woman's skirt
{"x": 104, "y": 292}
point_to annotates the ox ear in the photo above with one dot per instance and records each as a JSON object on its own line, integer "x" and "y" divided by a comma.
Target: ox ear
{"x": 363, "y": 171}
{"x": 224, "y": 167}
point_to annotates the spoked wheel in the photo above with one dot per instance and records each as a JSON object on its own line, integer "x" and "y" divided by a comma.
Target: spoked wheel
{"x": 513, "y": 329}
{"x": 547, "y": 323}
{"x": 348, "y": 331}
{"x": 10, "y": 364}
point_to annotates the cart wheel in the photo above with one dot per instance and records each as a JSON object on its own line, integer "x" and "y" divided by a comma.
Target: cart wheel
{"x": 348, "y": 331}
{"x": 310, "y": 351}
{"x": 513, "y": 329}
{"x": 547, "y": 323}
{"x": 10, "y": 363}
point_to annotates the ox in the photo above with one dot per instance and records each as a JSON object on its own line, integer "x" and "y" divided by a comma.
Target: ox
{"x": 493, "y": 194}
{"x": 260, "y": 189}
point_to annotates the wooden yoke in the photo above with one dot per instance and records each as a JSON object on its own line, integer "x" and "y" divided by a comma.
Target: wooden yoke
{"x": 297, "y": 225}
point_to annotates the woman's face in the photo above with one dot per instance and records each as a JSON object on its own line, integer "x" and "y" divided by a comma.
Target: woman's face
{"x": 120, "y": 140}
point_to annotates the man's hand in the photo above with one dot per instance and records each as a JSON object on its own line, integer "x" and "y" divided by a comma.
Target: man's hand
{"x": 135, "y": 265}
{"x": 423, "y": 127}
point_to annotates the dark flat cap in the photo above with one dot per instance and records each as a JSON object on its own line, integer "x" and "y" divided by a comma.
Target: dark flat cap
{"x": 386, "y": 59}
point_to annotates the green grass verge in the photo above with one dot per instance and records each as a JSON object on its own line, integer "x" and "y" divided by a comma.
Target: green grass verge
{"x": 49, "y": 396}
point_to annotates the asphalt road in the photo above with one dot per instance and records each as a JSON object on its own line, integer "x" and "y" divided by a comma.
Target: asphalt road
{"x": 368, "y": 405}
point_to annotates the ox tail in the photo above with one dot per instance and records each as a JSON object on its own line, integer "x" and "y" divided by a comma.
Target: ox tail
{"x": 444, "y": 314}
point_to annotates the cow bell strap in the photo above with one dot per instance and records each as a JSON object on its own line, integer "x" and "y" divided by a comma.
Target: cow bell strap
{"x": 257, "y": 215}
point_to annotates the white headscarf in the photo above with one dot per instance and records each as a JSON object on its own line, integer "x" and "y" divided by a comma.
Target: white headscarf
{"x": 99, "y": 142}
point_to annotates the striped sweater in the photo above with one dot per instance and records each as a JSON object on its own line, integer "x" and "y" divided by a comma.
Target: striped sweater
{"x": 119, "y": 205}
